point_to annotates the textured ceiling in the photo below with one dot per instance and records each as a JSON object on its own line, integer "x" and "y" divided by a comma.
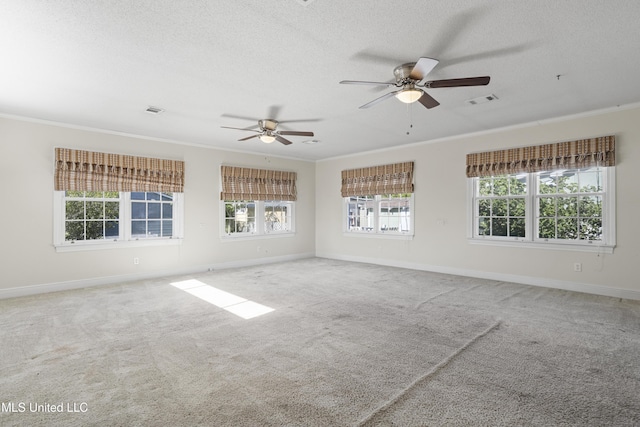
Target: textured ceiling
{"x": 209, "y": 64}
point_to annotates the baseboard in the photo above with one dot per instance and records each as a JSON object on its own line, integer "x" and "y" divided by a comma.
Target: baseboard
{"x": 110, "y": 280}
{"x": 525, "y": 280}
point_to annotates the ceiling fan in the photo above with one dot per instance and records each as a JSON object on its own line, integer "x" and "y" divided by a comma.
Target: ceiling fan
{"x": 409, "y": 78}
{"x": 267, "y": 132}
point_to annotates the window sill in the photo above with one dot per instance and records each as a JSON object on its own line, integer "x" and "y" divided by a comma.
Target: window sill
{"x": 599, "y": 248}
{"x": 392, "y": 236}
{"x": 102, "y": 245}
{"x": 250, "y": 236}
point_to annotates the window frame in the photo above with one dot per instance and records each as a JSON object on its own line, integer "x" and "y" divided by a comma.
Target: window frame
{"x": 260, "y": 231}
{"x": 605, "y": 245}
{"x": 124, "y": 238}
{"x": 376, "y": 230}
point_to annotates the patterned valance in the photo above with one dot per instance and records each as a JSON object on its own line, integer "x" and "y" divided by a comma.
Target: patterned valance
{"x": 386, "y": 179}
{"x": 582, "y": 153}
{"x": 90, "y": 171}
{"x": 257, "y": 184}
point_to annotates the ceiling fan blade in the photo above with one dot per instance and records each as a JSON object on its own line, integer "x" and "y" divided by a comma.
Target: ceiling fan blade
{"x": 296, "y": 133}
{"x": 382, "y": 98}
{"x": 468, "y": 81}
{"x": 427, "y": 100}
{"x": 358, "y": 82}
{"x": 249, "y": 137}
{"x": 299, "y": 121}
{"x": 284, "y": 141}
{"x": 274, "y": 111}
{"x": 422, "y": 68}
{"x": 249, "y": 130}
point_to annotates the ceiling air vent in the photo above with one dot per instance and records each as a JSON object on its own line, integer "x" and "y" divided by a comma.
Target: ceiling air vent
{"x": 154, "y": 110}
{"x": 305, "y": 2}
{"x": 481, "y": 99}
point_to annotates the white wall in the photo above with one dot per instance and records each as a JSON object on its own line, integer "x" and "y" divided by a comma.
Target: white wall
{"x": 30, "y": 263}
{"x": 441, "y": 198}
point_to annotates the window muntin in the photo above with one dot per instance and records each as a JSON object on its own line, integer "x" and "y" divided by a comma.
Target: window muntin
{"x": 360, "y": 213}
{"x": 90, "y": 218}
{"x": 91, "y": 215}
{"x": 572, "y": 206}
{"x": 380, "y": 214}
{"x": 277, "y": 216}
{"x": 240, "y": 217}
{"x": 500, "y": 206}
{"x": 151, "y": 215}
{"x": 256, "y": 217}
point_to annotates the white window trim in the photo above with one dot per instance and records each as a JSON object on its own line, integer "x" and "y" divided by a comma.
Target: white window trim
{"x": 607, "y": 245}
{"x": 126, "y": 241}
{"x": 260, "y": 232}
{"x": 374, "y": 232}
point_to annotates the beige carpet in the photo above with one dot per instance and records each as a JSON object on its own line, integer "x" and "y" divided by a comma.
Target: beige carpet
{"x": 346, "y": 344}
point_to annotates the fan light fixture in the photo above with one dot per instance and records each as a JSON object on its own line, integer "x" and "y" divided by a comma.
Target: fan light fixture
{"x": 409, "y": 95}
{"x": 268, "y": 139}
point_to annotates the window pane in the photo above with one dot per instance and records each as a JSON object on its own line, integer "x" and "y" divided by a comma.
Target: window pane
{"x": 111, "y": 229}
{"x": 94, "y": 230}
{"x": 484, "y": 187}
{"x": 498, "y": 226}
{"x": 500, "y": 185}
{"x": 229, "y": 225}
{"x": 71, "y": 193}
{"x": 154, "y": 228}
{"x": 517, "y": 227}
{"x": 153, "y": 196}
{"x": 111, "y": 194}
{"x": 484, "y": 207}
{"x": 546, "y": 184}
{"x": 167, "y": 197}
{"x": 518, "y": 185}
{"x": 138, "y": 210}
{"x": 112, "y": 210}
{"x": 93, "y": 194}
{"x": 567, "y": 228}
{"x": 567, "y": 206}
{"x": 167, "y": 210}
{"x": 567, "y": 182}
{"x": 484, "y": 227}
{"x": 590, "y": 206}
{"x": 591, "y": 229}
{"x": 516, "y": 207}
{"x": 591, "y": 181}
{"x": 137, "y": 196}
{"x": 500, "y": 207}
{"x": 153, "y": 210}
{"x": 547, "y": 228}
{"x": 95, "y": 210}
{"x": 547, "y": 206}
{"x": 167, "y": 228}
{"x": 74, "y": 230}
{"x": 74, "y": 209}
{"x": 138, "y": 228}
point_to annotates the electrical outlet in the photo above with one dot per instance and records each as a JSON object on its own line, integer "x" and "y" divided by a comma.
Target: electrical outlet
{"x": 577, "y": 267}
{"x": 136, "y": 260}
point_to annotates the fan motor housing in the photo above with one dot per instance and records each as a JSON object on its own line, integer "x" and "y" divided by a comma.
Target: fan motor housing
{"x": 403, "y": 72}
{"x": 268, "y": 124}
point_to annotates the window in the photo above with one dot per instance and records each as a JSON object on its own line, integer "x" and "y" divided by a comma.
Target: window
{"x": 378, "y": 200}
{"x": 243, "y": 218}
{"x": 571, "y": 207}
{"x": 85, "y": 219}
{"x": 388, "y": 214}
{"x": 257, "y": 202}
{"x": 151, "y": 215}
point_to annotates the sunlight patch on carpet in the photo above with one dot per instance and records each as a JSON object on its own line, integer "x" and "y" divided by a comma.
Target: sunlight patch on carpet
{"x": 239, "y": 306}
